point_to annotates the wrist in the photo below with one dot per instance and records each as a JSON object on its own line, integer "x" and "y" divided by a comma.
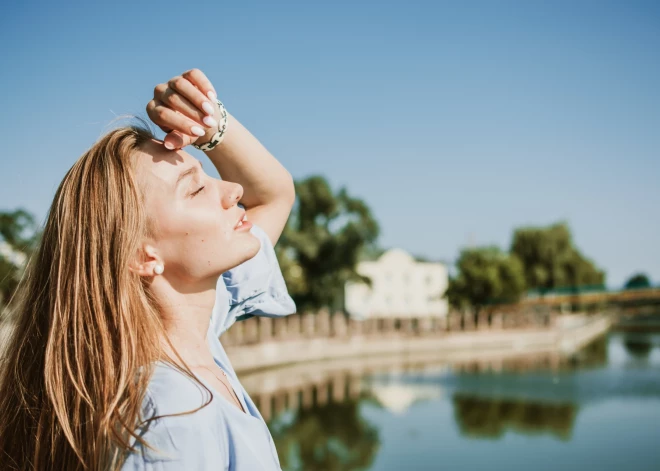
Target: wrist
{"x": 215, "y": 135}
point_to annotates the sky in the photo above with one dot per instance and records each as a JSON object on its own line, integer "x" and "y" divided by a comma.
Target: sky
{"x": 455, "y": 121}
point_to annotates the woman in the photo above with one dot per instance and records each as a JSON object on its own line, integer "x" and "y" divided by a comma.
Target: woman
{"x": 145, "y": 260}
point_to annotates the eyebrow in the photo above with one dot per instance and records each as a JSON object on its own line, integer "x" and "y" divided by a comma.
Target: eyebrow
{"x": 188, "y": 172}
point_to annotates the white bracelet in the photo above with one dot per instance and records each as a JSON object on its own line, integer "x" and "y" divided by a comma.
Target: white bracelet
{"x": 218, "y": 136}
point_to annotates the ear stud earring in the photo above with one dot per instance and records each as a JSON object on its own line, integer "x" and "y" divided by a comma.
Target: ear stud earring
{"x": 158, "y": 269}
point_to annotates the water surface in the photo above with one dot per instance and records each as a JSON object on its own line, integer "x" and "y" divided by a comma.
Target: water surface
{"x": 598, "y": 409}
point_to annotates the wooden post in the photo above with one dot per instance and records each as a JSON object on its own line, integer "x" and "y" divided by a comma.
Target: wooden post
{"x": 280, "y": 328}
{"x": 293, "y": 326}
{"x": 339, "y": 325}
{"x": 483, "y": 320}
{"x": 251, "y": 330}
{"x": 355, "y": 328}
{"x": 265, "y": 329}
{"x": 309, "y": 321}
{"x": 497, "y": 321}
{"x": 388, "y": 326}
{"x": 323, "y": 323}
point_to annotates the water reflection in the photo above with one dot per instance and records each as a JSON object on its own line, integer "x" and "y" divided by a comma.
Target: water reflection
{"x": 331, "y": 437}
{"x": 491, "y": 418}
{"x": 342, "y": 416}
{"x": 639, "y": 346}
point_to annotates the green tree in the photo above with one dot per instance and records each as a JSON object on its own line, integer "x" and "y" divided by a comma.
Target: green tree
{"x": 18, "y": 236}
{"x": 639, "y": 280}
{"x": 485, "y": 275}
{"x": 321, "y": 244}
{"x": 551, "y": 260}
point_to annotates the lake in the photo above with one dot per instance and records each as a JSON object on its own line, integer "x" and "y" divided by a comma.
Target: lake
{"x": 596, "y": 409}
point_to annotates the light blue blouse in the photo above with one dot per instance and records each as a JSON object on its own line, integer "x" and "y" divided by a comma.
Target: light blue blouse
{"x": 219, "y": 436}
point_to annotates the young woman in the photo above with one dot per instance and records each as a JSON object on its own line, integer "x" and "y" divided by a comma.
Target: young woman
{"x": 145, "y": 260}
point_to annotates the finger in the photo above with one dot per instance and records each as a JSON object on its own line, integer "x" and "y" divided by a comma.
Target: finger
{"x": 179, "y": 103}
{"x": 193, "y": 94}
{"x": 199, "y": 79}
{"x": 177, "y": 140}
{"x": 150, "y": 107}
{"x": 166, "y": 117}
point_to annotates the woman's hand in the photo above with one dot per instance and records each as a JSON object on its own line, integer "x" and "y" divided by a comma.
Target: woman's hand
{"x": 185, "y": 108}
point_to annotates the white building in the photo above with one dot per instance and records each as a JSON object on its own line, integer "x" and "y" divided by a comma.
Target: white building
{"x": 401, "y": 287}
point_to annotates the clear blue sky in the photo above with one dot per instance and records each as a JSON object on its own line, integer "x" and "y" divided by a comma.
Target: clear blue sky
{"x": 456, "y": 122}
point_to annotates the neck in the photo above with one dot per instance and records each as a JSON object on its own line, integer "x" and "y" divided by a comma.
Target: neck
{"x": 186, "y": 317}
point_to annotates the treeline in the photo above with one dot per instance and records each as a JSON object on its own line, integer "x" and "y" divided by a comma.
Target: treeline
{"x": 539, "y": 258}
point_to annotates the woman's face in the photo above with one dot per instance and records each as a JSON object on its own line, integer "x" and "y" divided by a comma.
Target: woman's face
{"x": 193, "y": 217}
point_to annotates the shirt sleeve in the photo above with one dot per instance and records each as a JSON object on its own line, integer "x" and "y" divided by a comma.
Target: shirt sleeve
{"x": 254, "y": 288}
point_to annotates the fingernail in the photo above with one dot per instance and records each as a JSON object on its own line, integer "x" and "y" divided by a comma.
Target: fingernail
{"x": 168, "y": 145}
{"x": 211, "y": 95}
{"x": 208, "y": 107}
{"x": 197, "y": 131}
{"x": 210, "y": 122}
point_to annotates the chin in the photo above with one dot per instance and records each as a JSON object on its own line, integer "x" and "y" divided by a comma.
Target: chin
{"x": 252, "y": 248}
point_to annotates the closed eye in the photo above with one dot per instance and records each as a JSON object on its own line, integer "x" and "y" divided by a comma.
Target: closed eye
{"x": 196, "y": 192}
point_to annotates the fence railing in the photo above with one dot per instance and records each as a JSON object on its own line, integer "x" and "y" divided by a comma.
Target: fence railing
{"x": 337, "y": 325}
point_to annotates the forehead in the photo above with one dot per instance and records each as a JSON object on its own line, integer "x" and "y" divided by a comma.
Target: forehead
{"x": 155, "y": 162}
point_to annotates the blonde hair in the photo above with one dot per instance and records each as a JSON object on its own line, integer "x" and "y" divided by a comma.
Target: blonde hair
{"x": 76, "y": 367}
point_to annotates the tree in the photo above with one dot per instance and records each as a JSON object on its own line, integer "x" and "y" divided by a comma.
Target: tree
{"x": 321, "y": 244}
{"x": 18, "y": 238}
{"x": 551, "y": 260}
{"x": 485, "y": 275}
{"x": 639, "y": 280}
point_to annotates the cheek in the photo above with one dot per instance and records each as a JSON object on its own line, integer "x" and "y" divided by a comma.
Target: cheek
{"x": 197, "y": 246}
{"x": 198, "y": 235}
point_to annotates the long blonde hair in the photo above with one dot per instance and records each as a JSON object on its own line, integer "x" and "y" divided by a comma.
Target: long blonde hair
{"x": 76, "y": 367}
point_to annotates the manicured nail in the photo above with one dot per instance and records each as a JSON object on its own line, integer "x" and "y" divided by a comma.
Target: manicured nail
{"x": 210, "y": 122}
{"x": 197, "y": 131}
{"x": 211, "y": 95}
{"x": 168, "y": 145}
{"x": 208, "y": 107}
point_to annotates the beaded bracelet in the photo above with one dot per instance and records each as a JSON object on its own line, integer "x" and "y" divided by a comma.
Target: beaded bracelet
{"x": 218, "y": 136}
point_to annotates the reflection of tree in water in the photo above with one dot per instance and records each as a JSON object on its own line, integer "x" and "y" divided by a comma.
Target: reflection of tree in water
{"x": 591, "y": 356}
{"x": 329, "y": 437}
{"x": 639, "y": 347}
{"x": 491, "y": 418}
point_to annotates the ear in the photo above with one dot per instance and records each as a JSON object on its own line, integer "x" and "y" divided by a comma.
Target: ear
{"x": 145, "y": 261}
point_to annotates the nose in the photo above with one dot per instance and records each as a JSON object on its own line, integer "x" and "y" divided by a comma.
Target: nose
{"x": 231, "y": 193}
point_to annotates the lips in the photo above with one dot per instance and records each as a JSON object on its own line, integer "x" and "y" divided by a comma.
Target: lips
{"x": 241, "y": 219}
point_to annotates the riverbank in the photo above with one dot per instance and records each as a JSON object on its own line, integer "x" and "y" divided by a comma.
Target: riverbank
{"x": 565, "y": 335}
